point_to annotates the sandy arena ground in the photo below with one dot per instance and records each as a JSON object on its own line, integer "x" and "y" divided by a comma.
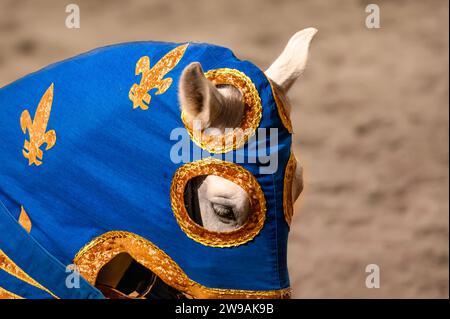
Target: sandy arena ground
{"x": 370, "y": 115}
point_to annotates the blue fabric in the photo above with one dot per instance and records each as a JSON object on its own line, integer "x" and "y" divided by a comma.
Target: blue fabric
{"x": 110, "y": 168}
{"x": 21, "y": 288}
{"x": 35, "y": 261}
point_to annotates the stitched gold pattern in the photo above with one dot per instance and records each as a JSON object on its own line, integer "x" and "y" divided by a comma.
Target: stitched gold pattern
{"x": 37, "y": 129}
{"x": 288, "y": 205}
{"x": 24, "y": 220}
{"x": 11, "y": 268}
{"x": 232, "y": 139}
{"x": 153, "y": 78}
{"x": 285, "y": 119}
{"x": 97, "y": 253}
{"x": 5, "y": 294}
{"x": 234, "y": 173}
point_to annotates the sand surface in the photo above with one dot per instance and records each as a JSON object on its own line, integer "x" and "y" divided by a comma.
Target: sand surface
{"x": 370, "y": 115}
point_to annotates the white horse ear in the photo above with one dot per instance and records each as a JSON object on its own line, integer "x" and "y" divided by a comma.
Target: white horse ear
{"x": 201, "y": 101}
{"x": 292, "y": 61}
{"x": 199, "y": 98}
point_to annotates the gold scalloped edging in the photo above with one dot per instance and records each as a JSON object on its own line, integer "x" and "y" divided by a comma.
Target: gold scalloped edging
{"x": 233, "y": 173}
{"x": 11, "y": 268}
{"x": 288, "y": 205}
{"x": 232, "y": 139}
{"x": 285, "y": 118}
{"x": 5, "y": 294}
{"x": 97, "y": 253}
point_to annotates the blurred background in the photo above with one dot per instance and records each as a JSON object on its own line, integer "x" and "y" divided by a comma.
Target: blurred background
{"x": 370, "y": 116}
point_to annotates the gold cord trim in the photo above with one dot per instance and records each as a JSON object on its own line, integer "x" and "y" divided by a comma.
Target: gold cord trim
{"x": 5, "y": 294}
{"x": 234, "y": 173}
{"x": 11, "y": 268}
{"x": 285, "y": 119}
{"x": 233, "y": 139}
{"x": 97, "y": 253}
{"x": 288, "y": 205}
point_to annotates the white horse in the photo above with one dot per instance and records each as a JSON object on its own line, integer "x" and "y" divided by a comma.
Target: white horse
{"x": 212, "y": 201}
{"x": 216, "y": 203}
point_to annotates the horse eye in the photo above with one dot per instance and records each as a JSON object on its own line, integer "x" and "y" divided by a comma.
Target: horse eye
{"x": 224, "y": 212}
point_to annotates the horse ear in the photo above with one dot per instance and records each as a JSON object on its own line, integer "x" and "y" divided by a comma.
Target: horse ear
{"x": 292, "y": 61}
{"x": 200, "y": 100}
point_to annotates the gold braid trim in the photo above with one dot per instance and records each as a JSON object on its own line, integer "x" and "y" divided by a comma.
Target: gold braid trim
{"x": 97, "y": 253}
{"x": 5, "y": 294}
{"x": 288, "y": 205}
{"x": 236, "y": 138}
{"x": 11, "y": 268}
{"x": 285, "y": 119}
{"x": 234, "y": 173}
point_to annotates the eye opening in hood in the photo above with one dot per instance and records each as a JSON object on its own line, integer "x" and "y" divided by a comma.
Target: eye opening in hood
{"x": 234, "y": 173}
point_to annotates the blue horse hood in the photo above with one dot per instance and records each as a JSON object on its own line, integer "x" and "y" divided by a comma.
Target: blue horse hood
{"x": 87, "y": 158}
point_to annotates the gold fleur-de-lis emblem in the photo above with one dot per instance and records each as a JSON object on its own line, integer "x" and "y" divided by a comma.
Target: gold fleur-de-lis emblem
{"x": 153, "y": 78}
{"x": 37, "y": 129}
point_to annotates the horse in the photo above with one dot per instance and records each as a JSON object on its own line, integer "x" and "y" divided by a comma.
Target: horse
{"x": 222, "y": 107}
{"x": 99, "y": 194}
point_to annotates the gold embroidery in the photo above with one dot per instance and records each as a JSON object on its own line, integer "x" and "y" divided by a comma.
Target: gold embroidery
{"x": 288, "y": 205}
{"x": 152, "y": 78}
{"x": 5, "y": 294}
{"x": 236, "y": 138}
{"x": 97, "y": 253}
{"x": 11, "y": 268}
{"x": 234, "y": 173}
{"x": 24, "y": 220}
{"x": 285, "y": 119}
{"x": 37, "y": 129}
